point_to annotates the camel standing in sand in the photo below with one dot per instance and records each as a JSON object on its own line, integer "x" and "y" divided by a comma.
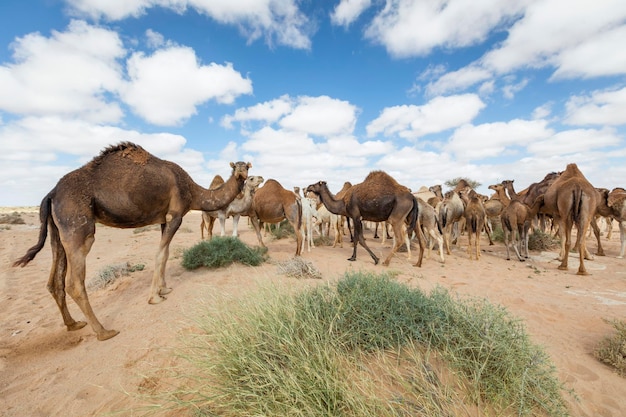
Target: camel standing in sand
{"x": 571, "y": 199}
{"x": 272, "y": 204}
{"x": 378, "y": 198}
{"x": 451, "y": 212}
{"x": 240, "y": 205}
{"x": 611, "y": 206}
{"x": 208, "y": 223}
{"x": 517, "y": 217}
{"x": 125, "y": 187}
{"x": 474, "y": 220}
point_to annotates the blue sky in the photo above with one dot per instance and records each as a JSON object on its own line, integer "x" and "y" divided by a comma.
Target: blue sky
{"x": 426, "y": 90}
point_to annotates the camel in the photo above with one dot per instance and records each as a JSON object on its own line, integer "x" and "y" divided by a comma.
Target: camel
{"x": 241, "y": 204}
{"x": 474, "y": 219}
{"x": 571, "y": 199}
{"x": 435, "y": 189}
{"x": 516, "y": 217}
{"x": 611, "y": 206}
{"x": 272, "y": 204}
{"x": 429, "y": 224}
{"x": 309, "y": 216}
{"x": 217, "y": 181}
{"x": 334, "y": 222}
{"x": 378, "y": 198}
{"x": 124, "y": 187}
{"x": 451, "y": 211}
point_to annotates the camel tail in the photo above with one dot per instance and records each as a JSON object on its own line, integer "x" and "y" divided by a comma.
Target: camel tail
{"x": 577, "y": 196}
{"x": 507, "y": 223}
{"x": 299, "y": 203}
{"x": 444, "y": 216}
{"x": 44, "y": 217}
{"x": 474, "y": 224}
{"x": 438, "y": 225}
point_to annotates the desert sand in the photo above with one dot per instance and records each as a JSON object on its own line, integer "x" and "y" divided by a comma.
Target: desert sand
{"x": 47, "y": 371}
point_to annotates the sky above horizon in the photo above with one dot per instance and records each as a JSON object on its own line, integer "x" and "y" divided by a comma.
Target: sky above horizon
{"x": 425, "y": 90}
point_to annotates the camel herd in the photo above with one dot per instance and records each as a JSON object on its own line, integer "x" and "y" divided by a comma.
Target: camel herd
{"x": 127, "y": 187}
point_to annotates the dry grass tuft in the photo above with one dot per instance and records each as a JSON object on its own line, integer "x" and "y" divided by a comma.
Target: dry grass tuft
{"x": 299, "y": 268}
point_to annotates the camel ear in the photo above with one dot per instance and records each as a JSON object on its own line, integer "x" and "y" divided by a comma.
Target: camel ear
{"x": 249, "y": 165}
{"x": 232, "y": 165}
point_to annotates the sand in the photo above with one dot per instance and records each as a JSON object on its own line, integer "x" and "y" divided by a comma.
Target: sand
{"x": 47, "y": 371}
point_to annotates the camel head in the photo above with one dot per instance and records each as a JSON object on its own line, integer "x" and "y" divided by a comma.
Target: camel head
{"x": 316, "y": 188}
{"x": 253, "y": 181}
{"x": 240, "y": 169}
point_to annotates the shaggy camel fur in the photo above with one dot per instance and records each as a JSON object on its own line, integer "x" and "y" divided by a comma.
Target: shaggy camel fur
{"x": 517, "y": 217}
{"x": 272, "y": 204}
{"x": 240, "y": 205}
{"x": 451, "y": 212}
{"x": 378, "y": 198}
{"x": 571, "y": 200}
{"x": 474, "y": 220}
{"x": 125, "y": 187}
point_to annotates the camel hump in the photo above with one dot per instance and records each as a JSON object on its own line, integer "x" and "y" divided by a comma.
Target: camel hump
{"x": 134, "y": 152}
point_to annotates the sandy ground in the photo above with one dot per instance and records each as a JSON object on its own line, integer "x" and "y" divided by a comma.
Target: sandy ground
{"x": 47, "y": 371}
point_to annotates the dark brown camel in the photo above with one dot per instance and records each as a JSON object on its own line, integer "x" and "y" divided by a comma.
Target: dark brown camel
{"x": 272, "y": 204}
{"x": 125, "y": 187}
{"x": 378, "y": 198}
{"x": 571, "y": 200}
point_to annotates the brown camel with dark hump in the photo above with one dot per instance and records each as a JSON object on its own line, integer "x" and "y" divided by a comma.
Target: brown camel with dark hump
{"x": 378, "y": 198}
{"x": 571, "y": 200}
{"x": 125, "y": 187}
{"x": 272, "y": 204}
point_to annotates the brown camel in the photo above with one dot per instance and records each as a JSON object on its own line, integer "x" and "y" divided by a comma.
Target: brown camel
{"x": 474, "y": 219}
{"x": 378, "y": 198}
{"x": 571, "y": 200}
{"x": 610, "y": 206}
{"x": 125, "y": 187}
{"x": 272, "y": 204}
{"x": 517, "y": 217}
{"x": 240, "y": 205}
{"x": 207, "y": 223}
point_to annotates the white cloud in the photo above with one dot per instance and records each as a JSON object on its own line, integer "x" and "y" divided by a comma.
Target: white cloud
{"x": 415, "y": 28}
{"x": 438, "y": 115}
{"x": 68, "y": 74}
{"x": 471, "y": 142}
{"x": 458, "y": 80}
{"x": 321, "y": 116}
{"x": 347, "y": 11}
{"x": 166, "y": 87}
{"x": 572, "y": 142}
{"x": 154, "y": 39}
{"x": 268, "y": 112}
{"x": 278, "y": 21}
{"x": 606, "y": 107}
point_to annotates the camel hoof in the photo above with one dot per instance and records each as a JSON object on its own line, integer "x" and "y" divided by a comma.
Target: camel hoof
{"x": 562, "y": 267}
{"x": 107, "y": 334}
{"x": 164, "y": 291}
{"x": 582, "y": 273}
{"x": 352, "y": 259}
{"x": 156, "y": 299}
{"x": 386, "y": 263}
{"x": 77, "y": 325}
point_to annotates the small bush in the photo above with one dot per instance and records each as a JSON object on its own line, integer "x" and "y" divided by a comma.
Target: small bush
{"x": 222, "y": 251}
{"x": 285, "y": 229}
{"x": 107, "y": 275}
{"x": 299, "y": 268}
{"x": 538, "y": 240}
{"x": 13, "y": 218}
{"x": 612, "y": 349}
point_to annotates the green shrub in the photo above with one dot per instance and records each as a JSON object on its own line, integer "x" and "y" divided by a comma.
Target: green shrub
{"x": 222, "y": 251}
{"x": 538, "y": 240}
{"x": 367, "y": 347}
{"x": 612, "y": 349}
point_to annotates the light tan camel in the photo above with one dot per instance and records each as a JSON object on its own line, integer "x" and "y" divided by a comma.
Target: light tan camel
{"x": 516, "y": 219}
{"x": 436, "y": 189}
{"x": 451, "y": 212}
{"x": 272, "y": 204}
{"x": 611, "y": 206}
{"x": 125, "y": 187}
{"x": 571, "y": 200}
{"x": 429, "y": 224}
{"x": 238, "y": 207}
{"x": 474, "y": 214}
{"x": 378, "y": 198}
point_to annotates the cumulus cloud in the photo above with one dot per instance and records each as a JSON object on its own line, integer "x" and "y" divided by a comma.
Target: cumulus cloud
{"x": 347, "y": 11}
{"x": 268, "y": 112}
{"x": 277, "y": 21}
{"x": 574, "y": 142}
{"x": 605, "y": 107}
{"x": 486, "y": 140}
{"x": 414, "y": 28}
{"x": 438, "y": 115}
{"x": 166, "y": 87}
{"x": 67, "y": 74}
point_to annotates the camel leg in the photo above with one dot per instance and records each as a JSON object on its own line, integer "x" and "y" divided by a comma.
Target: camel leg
{"x": 222, "y": 220}
{"x": 566, "y": 236}
{"x": 580, "y": 241}
{"x": 158, "y": 288}
{"x": 236, "y": 225}
{"x": 359, "y": 239}
{"x": 397, "y": 242}
{"x": 622, "y": 238}
{"x": 439, "y": 240}
{"x": 257, "y": 224}
{"x": 76, "y": 253}
{"x": 56, "y": 282}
